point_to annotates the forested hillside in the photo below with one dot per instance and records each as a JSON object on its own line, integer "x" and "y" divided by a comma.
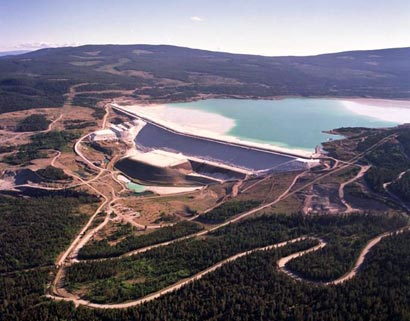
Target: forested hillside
{"x": 251, "y": 288}
{"x": 41, "y": 78}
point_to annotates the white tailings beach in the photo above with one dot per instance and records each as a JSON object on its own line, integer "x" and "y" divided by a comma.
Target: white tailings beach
{"x": 397, "y": 111}
{"x": 200, "y": 124}
{"x": 184, "y": 119}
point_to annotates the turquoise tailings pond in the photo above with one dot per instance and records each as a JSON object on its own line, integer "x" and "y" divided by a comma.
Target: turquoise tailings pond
{"x": 295, "y": 123}
{"x": 250, "y": 136}
{"x": 136, "y": 187}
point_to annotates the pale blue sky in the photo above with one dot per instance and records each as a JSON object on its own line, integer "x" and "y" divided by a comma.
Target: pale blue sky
{"x": 268, "y": 27}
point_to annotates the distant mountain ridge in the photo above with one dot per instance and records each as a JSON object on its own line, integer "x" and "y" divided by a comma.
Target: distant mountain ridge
{"x": 169, "y": 73}
{"x": 13, "y": 52}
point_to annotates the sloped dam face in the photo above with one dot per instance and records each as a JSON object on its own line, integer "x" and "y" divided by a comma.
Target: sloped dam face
{"x": 155, "y": 137}
{"x": 173, "y": 175}
{"x": 147, "y": 173}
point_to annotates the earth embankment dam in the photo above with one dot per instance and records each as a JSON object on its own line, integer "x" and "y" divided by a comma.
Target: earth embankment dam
{"x": 253, "y": 159}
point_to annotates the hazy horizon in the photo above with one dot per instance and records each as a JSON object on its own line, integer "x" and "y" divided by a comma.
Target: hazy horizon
{"x": 270, "y": 28}
{"x": 22, "y": 51}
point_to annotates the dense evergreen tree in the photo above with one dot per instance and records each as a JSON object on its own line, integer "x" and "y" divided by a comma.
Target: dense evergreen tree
{"x": 129, "y": 241}
{"x": 53, "y": 173}
{"x": 33, "y": 231}
{"x": 246, "y": 290}
{"x": 227, "y": 210}
{"x": 56, "y": 140}
{"x": 33, "y": 123}
{"x": 129, "y": 278}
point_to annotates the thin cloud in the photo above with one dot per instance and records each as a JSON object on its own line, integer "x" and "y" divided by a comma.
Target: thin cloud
{"x": 196, "y": 19}
{"x": 41, "y": 45}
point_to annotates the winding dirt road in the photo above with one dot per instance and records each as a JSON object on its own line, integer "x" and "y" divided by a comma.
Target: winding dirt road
{"x": 183, "y": 282}
{"x": 394, "y": 196}
{"x": 206, "y": 231}
{"x": 360, "y": 174}
{"x": 281, "y": 264}
{"x": 283, "y": 196}
{"x": 51, "y": 125}
{"x": 353, "y": 271}
{"x": 59, "y": 293}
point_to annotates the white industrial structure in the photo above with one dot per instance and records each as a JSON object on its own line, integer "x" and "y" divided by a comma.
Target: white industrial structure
{"x": 124, "y": 131}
